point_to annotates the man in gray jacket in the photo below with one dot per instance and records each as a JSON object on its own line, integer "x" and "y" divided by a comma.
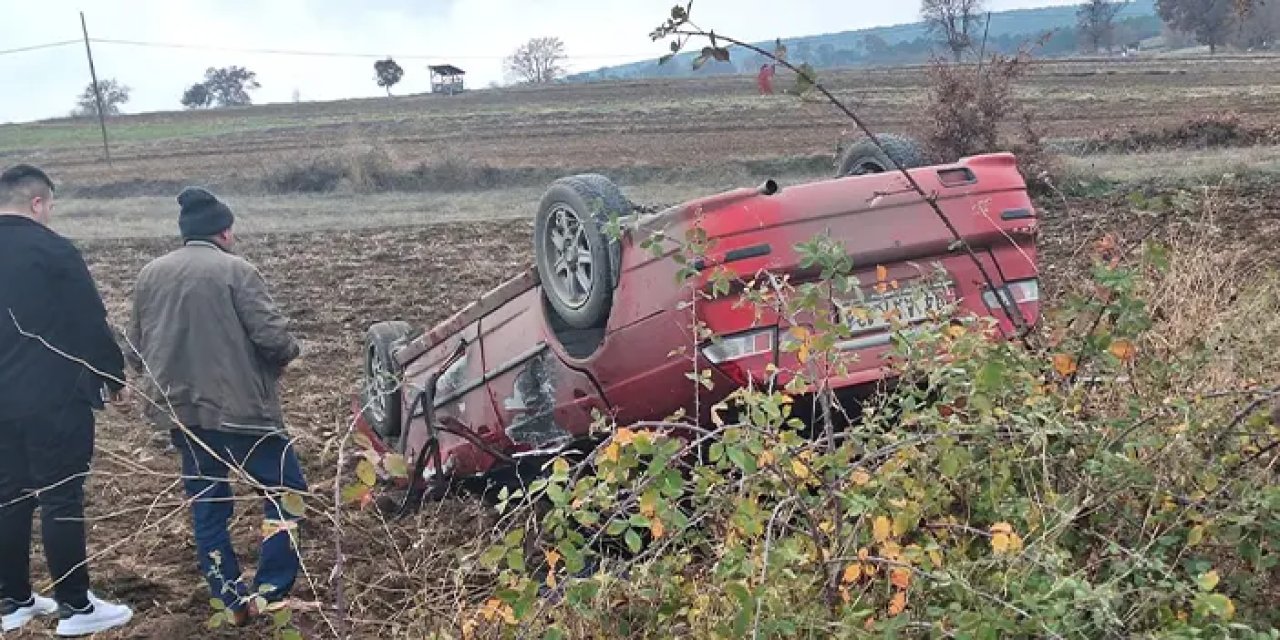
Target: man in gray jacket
{"x": 212, "y": 346}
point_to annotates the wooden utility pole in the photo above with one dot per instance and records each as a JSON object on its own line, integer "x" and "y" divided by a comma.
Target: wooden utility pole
{"x": 93, "y": 74}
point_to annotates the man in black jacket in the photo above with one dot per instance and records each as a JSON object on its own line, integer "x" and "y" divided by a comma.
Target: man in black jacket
{"x": 59, "y": 361}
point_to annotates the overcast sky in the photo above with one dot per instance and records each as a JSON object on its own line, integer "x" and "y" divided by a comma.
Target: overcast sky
{"x": 473, "y": 34}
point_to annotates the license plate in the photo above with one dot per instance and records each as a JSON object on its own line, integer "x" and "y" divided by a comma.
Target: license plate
{"x": 910, "y": 305}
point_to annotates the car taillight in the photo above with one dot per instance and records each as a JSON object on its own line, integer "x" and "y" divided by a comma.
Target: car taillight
{"x": 738, "y": 346}
{"x": 725, "y": 352}
{"x": 1016, "y": 292}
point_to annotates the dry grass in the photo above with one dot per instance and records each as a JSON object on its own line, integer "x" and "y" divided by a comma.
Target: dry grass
{"x": 1179, "y": 165}
{"x": 156, "y": 217}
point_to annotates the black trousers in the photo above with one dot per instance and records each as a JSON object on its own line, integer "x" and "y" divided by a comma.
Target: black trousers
{"x": 44, "y": 460}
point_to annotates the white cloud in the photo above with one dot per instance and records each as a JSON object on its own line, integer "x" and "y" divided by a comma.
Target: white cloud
{"x": 473, "y": 34}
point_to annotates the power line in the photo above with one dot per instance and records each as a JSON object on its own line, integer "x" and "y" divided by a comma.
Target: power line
{"x": 330, "y": 54}
{"x": 36, "y": 47}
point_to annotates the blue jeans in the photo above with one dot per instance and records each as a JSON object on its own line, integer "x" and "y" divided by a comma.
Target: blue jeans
{"x": 271, "y": 462}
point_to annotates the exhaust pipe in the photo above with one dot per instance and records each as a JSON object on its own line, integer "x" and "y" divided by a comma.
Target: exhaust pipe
{"x": 768, "y": 188}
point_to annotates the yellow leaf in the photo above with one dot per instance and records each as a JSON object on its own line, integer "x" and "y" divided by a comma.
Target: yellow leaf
{"x": 1195, "y": 535}
{"x": 880, "y": 528}
{"x": 955, "y": 331}
{"x": 366, "y": 473}
{"x": 1015, "y": 542}
{"x": 891, "y": 550}
{"x": 826, "y": 526}
{"x": 1001, "y": 527}
{"x": 611, "y": 452}
{"x": 800, "y": 333}
{"x": 936, "y": 558}
{"x": 851, "y": 573}
{"x": 882, "y": 273}
{"x": 900, "y": 577}
{"x": 648, "y": 504}
{"x": 560, "y": 467}
{"x": 1208, "y": 581}
{"x": 799, "y": 469}
{"x": 898, "y": 603}
{"x": 1064, "y": 364}
{"x": 765, "y": 458}
{"x": 802, "y": 354}
{"x": 624, "y": 436}
{"x": 863, "y": 554}
{"x": 1123, "y": 349}
{"x": 657, "y": 528}
{"x": 1000, "y": 543}
{"x": 900, "y": 526}
{"x": 1231, "y": 609}
{"x": 861, "y": 478}
{"x": 551, "y": 579}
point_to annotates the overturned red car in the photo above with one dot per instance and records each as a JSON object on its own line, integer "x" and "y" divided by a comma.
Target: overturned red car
{"x": 519, "y": 373}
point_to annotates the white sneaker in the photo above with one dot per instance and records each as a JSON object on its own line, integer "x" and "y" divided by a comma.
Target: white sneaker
{"x": 97, "y": 617}
{"x": 23, "y": 613}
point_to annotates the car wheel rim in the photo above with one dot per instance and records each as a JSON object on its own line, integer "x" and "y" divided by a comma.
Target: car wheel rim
{"x": 381, "y": 384}
{"x": 569, "y": 248}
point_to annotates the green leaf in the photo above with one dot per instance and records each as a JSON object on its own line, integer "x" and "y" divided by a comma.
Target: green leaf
{"x": 1217, "y": 604}
{"x": 638, "y": 520}
{"x": 557, "y": 494}
{"x": 741, "y": 459}
{"x": 366, "y": 473}
{"x": 515, "y": 560}
{"x": 396, "y": 466}
{"x": 586, "y": 518}
{"x": 290, "y": 634}
{"x": 991, "y": 376}
{"x": 633, "y": 540}
{"x": 282, "y": 617}
{"x": 492, "y": 556}
{"x": 1207, "y": 581}
{"x": 554, "y": 633}
{"x": 514, "y": 537}
{"x": 573, "y": 559}
{"x": 616, "y": 527}
{"x": 716, "y": 452}
{"x": 217, "y": 604}
{"x": 583, "y": 592}
{"x": 293, "y": 504}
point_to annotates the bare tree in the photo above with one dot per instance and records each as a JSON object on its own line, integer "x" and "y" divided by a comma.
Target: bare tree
{"x": 1095, "y": 20}
{"x": 953, "y": 21}
{"x": 114, "y": 94}
{"x": 1210, "y": 21}
{"x": 538, "y": 61}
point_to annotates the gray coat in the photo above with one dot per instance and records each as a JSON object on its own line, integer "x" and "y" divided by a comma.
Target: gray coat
{"x": 211, "y": 340}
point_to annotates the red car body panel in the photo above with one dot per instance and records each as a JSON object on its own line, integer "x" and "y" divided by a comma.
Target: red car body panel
{"x": 518, "y": 389}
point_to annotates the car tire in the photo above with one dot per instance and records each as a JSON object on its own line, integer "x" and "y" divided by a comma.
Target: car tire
{"x": 577, "y": 262}
{"x": 864, "y": 157}
{"x": 380, "y": 398}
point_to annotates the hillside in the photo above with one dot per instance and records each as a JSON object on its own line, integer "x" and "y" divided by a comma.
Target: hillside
{"x": 905, "y": 43}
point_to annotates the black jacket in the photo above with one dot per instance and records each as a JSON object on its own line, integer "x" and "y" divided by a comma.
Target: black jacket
{"x": 46, "y": 287}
